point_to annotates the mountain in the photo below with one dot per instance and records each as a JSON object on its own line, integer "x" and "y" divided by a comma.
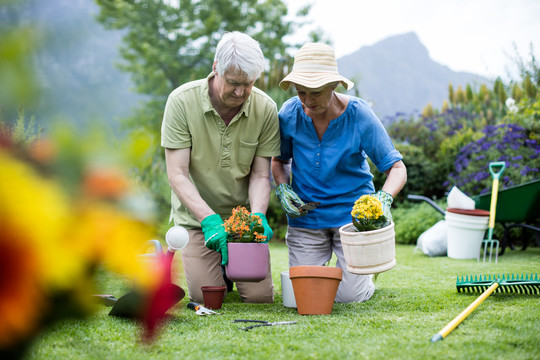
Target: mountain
{"x": 79, "y": 81}
{"x": 397, "y": 75}
{"x": 75, "y": 64}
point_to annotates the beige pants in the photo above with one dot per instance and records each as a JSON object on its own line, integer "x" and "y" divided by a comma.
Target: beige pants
{"x": 202, "y": 267}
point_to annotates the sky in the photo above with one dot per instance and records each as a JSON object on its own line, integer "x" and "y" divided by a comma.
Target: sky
{"x": 476, "y": 36}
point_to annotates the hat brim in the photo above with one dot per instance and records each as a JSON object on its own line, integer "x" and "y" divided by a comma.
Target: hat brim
{"x": 314, "y": 80}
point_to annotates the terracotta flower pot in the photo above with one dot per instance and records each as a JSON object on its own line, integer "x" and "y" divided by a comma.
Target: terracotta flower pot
{"x": 315, "y": 288}
{"x": 368, "y": 252}
{"x": 213, "y": 296}
{"x": 247, "y": 261}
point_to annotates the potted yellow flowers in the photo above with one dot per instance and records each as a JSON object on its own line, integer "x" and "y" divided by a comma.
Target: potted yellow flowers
{"x": 247, "y": 246}
{"x": 369, "y": 241}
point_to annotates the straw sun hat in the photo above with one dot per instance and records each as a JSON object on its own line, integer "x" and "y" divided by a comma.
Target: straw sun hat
{"x": 314, "y": 66}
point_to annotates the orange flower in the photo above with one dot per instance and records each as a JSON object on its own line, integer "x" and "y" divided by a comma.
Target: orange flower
{"x": 243, "y": 226}
{"x": 42, "y": 151}
{"x": 104, "y": 183}
{"x": 22, "y": 299}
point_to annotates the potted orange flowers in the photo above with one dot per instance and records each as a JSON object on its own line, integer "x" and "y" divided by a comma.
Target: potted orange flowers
{"x": 369, "y": 241}
{"x": 242, "y": 226}
{"x": 247, "y": 246}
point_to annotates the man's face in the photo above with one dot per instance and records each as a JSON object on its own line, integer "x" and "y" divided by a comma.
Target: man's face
{"x": 233, "y": 88}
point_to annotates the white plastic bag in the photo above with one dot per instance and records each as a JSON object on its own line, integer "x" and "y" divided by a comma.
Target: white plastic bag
{"x": 459, "y": 200}
{"x": 433, "y": 241}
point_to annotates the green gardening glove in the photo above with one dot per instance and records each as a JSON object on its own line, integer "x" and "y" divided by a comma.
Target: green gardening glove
{"x": 290, "y": 201}
{"x": 386, "y": 200}
{"x": 267, "y": 229}
{"x": 215, "y": 236}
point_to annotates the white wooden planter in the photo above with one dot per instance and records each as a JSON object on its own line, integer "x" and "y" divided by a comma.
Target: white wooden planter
{"x": 368, "y": 252}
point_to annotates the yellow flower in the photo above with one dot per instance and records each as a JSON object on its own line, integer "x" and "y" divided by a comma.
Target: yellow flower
{"x": 38, "y": 209}
{"x": 48, "y": 245}
{"x": 33, "y": 247}
{"x": 109, "y": 237}
{"x": 367, "y": 214}
{"x": 367, "y": 207}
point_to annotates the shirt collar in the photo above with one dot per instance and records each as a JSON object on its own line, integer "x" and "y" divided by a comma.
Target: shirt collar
{"x": 207, "y": 104}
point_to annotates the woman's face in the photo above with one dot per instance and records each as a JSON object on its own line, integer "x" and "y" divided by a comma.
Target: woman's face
{"x": 316, "y": 101}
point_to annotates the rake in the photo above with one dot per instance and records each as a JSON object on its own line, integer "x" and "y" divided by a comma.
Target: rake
{"x": 505, "y": 283}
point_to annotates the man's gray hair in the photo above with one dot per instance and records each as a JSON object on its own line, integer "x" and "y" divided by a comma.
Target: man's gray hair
{"x": 239, "y": 51}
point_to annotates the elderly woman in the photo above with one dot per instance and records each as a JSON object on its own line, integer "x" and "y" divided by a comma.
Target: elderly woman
{"x": 327, "y": 137}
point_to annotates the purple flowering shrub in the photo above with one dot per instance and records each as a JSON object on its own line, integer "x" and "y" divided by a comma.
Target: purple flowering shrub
{"x": 429, "y": 146}
{"x": 510, "y": 143}
{"x": 429, "y": 132}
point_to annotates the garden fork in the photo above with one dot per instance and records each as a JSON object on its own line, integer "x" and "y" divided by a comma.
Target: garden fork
{"x": 490, "y": 242}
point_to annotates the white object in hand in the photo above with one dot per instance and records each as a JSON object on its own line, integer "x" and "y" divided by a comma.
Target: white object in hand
{"x": 176, "y": 238}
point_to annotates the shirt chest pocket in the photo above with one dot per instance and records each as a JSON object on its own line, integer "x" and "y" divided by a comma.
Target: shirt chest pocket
{"x": 246, "y": 153}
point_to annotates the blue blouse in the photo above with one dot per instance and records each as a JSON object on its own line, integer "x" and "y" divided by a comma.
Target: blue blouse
{"x": 333, "y": 171}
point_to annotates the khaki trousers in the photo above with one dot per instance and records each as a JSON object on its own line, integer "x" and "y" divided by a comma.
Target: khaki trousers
{"x": 202, "y": 267}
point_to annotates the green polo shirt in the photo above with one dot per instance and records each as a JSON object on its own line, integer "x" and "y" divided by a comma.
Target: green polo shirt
{"x": 221, "y": 156}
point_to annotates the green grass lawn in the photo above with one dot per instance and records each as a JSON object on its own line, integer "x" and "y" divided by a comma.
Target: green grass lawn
{"x": 412, "y": 302}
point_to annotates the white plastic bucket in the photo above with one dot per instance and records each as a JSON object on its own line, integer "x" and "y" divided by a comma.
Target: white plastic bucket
{"x": 465, "y": 234}
{"x": 287, "y": 290}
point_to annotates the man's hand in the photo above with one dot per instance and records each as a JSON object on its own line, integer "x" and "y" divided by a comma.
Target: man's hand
{"x": 215, "y": 236}
{"x": 290, "y": 201}
{"x": 386, "y": 200}
{"x": 267, "y": 229}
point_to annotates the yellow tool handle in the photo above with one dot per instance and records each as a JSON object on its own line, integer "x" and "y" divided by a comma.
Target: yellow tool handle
{"x": 458, "y": 319}
{"x": 493, "y": 205}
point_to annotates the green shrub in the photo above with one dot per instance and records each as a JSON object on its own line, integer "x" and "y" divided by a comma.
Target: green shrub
{"x": 412, "y": 219}
{"x": 420, "y": 174}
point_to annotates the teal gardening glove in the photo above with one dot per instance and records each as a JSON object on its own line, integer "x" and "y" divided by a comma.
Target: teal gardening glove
{"x": 267, "y": 229}
{"x": 386, "y": 200}
{"x": 290, "y": 201}
{"x": 215, "y": 236}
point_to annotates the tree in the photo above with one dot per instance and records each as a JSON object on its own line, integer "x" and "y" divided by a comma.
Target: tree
{"x": 529, "y": 88}
{"x": 167, "y": 43}
{"x": 516, "y": 92}
{"x": 498, "y": 89}
{"x": 451, "y": 95}
{"x": 428, "y": 111}
{"x": 469, "y": 98}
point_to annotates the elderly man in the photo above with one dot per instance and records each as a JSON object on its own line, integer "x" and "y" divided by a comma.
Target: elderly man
{"x": 219, "y": 134}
